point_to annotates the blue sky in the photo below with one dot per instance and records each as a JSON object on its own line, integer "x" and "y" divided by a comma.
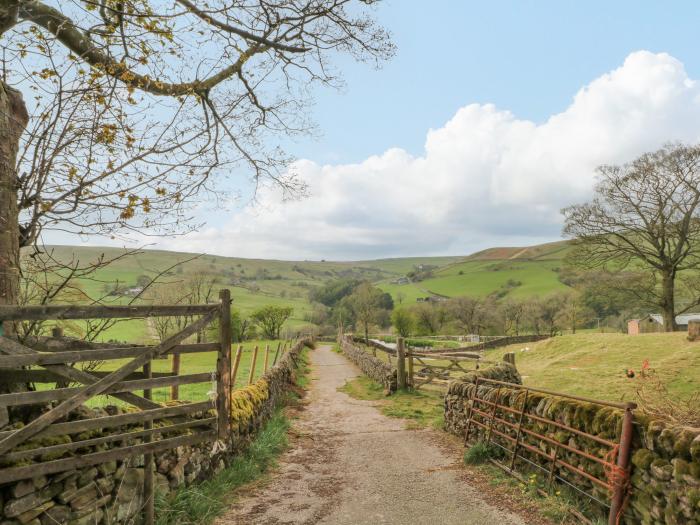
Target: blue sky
{"x": 491, "y": 118}
{"x": 526, "y": 56}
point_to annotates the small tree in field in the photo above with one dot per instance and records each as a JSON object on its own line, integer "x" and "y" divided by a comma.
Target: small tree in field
{"x": 364, "y": 302}
{"x": 403, "y": 321}
{"x": 645, "y": 215}
{"x": 270, "y": 318}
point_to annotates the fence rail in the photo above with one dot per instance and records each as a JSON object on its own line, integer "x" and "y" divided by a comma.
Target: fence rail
{"x": 426, "y": 367}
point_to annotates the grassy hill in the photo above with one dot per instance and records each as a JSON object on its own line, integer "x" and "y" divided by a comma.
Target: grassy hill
{"x": 517, "y": 272}
{"x": 594, "y": 364}
{"x": 253, "y": 282}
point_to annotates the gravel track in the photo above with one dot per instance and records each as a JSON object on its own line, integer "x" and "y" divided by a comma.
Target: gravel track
{"x": 351, "y": 465}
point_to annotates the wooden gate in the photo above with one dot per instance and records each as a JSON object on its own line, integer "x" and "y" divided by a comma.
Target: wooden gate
{"x": 175, "y": 425}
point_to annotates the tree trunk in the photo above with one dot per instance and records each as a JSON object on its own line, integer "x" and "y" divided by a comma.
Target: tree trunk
{"x": 13, "y": 120}
{"x": 668, "y": 301}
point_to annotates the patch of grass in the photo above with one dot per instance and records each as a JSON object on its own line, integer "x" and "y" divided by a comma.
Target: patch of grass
{"x": 558, "y": 506}
{"x": 594, "y": 364}
{"x": 422, "y": 408}
{"x": 478, "y": 453}
{"x": 199, "y": 504}
{"x": 302, "y": 374}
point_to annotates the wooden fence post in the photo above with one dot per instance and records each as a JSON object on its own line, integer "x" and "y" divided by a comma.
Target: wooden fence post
{"x": 400, "y": 364}
{"x": 236, "y": 363}
{"x": 277, "y": 353}
{"x": 175, "y": 389}
{"x": 509, "y": 358}
{"x": 148, "y": 463}
{"x": 251, "y": 375}
{"x": 267, "y": 358}
{"x": 410, "y": 367}
{"x": 223, "y": 366}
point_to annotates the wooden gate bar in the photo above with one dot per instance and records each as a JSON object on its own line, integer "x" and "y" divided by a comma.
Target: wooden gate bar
{"x": 97, "y": 354}
{"x": 51, "y": 312}
{"x": 59, "y": 394}
{"x": 148, "y": 463}
{"x": 100, "y": 386}
{"x": 209, "y": 422}
{"x": 8, "y": 346}
{"x": 223, "y": 366}
{"x": 81, "y": 425}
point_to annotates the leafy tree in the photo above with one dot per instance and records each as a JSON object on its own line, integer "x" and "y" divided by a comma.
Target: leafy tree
{"x": 270, "y": 318}
{"x": 512, "y": 314}
{"x": 429, "y": 317}
{"x": 332, "y": 292}
{"x": 403, "y": 321}
{"x": 645, "y": 215}
{"x": 364, "y": 302}
{"x": 472, "y": 314}
{"x": 574, "y": 313}
{"x": 240, "y": 326}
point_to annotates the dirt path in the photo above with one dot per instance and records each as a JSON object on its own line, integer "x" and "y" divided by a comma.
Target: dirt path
{"x": 351, "y": 465}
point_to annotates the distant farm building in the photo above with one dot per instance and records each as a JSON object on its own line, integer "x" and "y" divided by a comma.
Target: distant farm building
{"x": 655, "y": 323}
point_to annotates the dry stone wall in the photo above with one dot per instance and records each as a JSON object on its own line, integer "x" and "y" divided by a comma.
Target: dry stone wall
{"x": 371, "y": 366}
{"x": 112, "y": 493}
{"x": 665, "y": 460}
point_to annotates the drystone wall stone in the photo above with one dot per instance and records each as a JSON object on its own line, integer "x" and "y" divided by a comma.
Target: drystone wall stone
{"x": 371, "y": 366}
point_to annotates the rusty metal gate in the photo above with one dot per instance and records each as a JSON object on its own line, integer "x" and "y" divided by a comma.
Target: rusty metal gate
{"x": 514, "y": 430}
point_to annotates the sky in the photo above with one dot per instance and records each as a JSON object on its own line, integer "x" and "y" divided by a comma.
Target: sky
{"x": 491, "y": 118}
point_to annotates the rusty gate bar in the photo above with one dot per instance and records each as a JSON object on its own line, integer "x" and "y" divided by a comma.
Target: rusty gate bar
{"x": 616, "y": 469}
{"x": 623, "y": 455}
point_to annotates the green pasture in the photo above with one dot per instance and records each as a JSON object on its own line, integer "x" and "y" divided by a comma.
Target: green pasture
{"x": 196, "y": 364}
{"x": 481, "y": 278}
{"x": 594, "y": 364}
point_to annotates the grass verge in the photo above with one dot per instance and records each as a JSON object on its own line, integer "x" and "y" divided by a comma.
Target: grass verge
{"x": 201, "y": 503}
{"x": 421, "y": 408}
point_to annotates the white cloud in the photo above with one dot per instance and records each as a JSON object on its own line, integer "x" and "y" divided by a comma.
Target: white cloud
{"x": 486, "y": 177}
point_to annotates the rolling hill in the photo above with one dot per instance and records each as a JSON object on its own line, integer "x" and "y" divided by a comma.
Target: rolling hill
{"x": 513, "y": 271}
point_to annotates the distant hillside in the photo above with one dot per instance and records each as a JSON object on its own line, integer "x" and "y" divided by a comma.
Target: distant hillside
{"x": 549, "y": 251}
{"x": 507, "y": 271}
{"x": 514, "y": 272}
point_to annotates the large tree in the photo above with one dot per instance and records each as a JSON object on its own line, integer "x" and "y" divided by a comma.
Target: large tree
{"x": 645, "y": 215}
{"x": 133, "y": 105}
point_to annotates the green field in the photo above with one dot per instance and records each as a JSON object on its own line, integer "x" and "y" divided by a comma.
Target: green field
{"x": 195, "y": 364}
{"x": 514, "y": 272}
{"x": 594, "y": 364}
